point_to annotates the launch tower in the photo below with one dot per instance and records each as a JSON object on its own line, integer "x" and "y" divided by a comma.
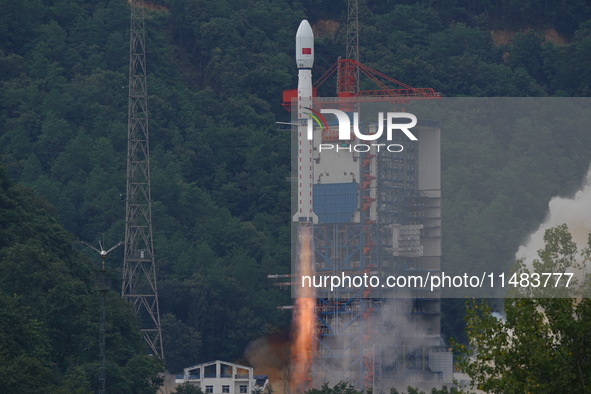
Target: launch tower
{"x": 374, "y": 213}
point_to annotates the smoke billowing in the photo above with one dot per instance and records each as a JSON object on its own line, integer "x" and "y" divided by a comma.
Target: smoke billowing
{"x": 575, "y": 212}
{"x": 271, "y": 356}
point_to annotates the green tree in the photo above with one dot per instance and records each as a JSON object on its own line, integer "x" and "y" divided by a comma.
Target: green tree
{"x": 542, "y": 344}
{"x": 347, "y": 388}
{"x": 145, "y": 374}
{"x": 183, "y": 343}
{"x": 188, "y": 388}
{"x": 414, "y": 390}
{"x": 339, "y": 388}
{"x": 48, "y": 310}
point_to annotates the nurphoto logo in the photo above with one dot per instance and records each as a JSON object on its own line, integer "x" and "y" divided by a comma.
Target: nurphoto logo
{"x": 393, "y": 122}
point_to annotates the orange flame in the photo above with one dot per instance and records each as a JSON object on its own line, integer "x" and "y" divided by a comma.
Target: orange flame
{"x": 304, "y": 316}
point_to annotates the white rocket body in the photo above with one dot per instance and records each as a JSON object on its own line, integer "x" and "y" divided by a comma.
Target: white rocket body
{"x": 305, "y": 61}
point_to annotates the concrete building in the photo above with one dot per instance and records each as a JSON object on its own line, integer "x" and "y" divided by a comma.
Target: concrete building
{"x": 223, "y": 377}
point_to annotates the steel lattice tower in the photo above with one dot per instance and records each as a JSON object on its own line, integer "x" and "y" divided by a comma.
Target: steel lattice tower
{"x": 139, "y": 285}
{"x": 348, "y": 79}
{"x": 353, "y": 30}
{"x": 103, "y": 289}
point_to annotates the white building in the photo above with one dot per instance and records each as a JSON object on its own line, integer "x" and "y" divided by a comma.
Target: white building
{"x": 223, "y": 377}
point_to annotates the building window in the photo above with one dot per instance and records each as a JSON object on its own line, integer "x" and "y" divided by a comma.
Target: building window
{"x": 209, "y": 389}
{"x": 225, "y": 389}
{"x": 243, "y": 388}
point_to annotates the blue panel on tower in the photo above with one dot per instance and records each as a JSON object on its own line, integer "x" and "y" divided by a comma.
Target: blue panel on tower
{"x": 335, "y": 202}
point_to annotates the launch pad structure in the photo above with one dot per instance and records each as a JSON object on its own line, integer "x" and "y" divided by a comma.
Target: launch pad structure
{"x": 372, "y": 213}
{"x": 383, "y": 218}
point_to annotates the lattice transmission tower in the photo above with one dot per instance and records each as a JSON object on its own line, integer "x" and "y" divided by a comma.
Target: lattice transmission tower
{"x": 348, "y": 74}
{"x": 352, "y": 35}
{"x": 139, "y": 286}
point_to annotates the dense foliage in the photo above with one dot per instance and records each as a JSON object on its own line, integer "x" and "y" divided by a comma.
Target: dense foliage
{"x": 49, "y": 310}
{"x": 219, "y": 166}
{"x": 346, "y": 388}
{"x": 540, "y": 345}
{"x": 188, "y": 388}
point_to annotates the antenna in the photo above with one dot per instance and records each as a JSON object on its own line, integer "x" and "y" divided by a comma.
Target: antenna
{"x": 139, "y": 285}
{"x": 102, "y": 251}
{"x": 103, "y": 288}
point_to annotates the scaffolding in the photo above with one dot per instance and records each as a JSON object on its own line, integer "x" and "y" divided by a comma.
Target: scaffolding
{"x": 341, "y": 314}
{"x": 395, "y": 229}
{"x": 408, "y": 241}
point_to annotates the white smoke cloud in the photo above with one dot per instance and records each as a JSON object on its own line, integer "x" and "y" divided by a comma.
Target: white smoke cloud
{"x": 575, "y": 212}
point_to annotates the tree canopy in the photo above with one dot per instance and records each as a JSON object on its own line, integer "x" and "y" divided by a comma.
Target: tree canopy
{"x": 539, "y": 345}
{"x": 49, "y": 309}
{"x": 346, "y": 388}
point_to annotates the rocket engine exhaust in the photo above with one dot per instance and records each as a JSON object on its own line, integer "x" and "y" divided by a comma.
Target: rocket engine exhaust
{"x": 304, "y": 315}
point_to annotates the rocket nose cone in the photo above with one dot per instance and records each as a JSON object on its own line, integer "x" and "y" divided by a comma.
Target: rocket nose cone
{"x": 305, "y": 45}
{"x": 305, "y": 30}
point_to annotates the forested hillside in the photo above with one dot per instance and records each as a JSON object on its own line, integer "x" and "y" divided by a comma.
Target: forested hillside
{"x": 49, "y": 309}
{"x": 219, "y": 164}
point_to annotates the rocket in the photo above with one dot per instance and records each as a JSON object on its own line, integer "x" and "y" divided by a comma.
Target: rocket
{"x": 304, "y": 61}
